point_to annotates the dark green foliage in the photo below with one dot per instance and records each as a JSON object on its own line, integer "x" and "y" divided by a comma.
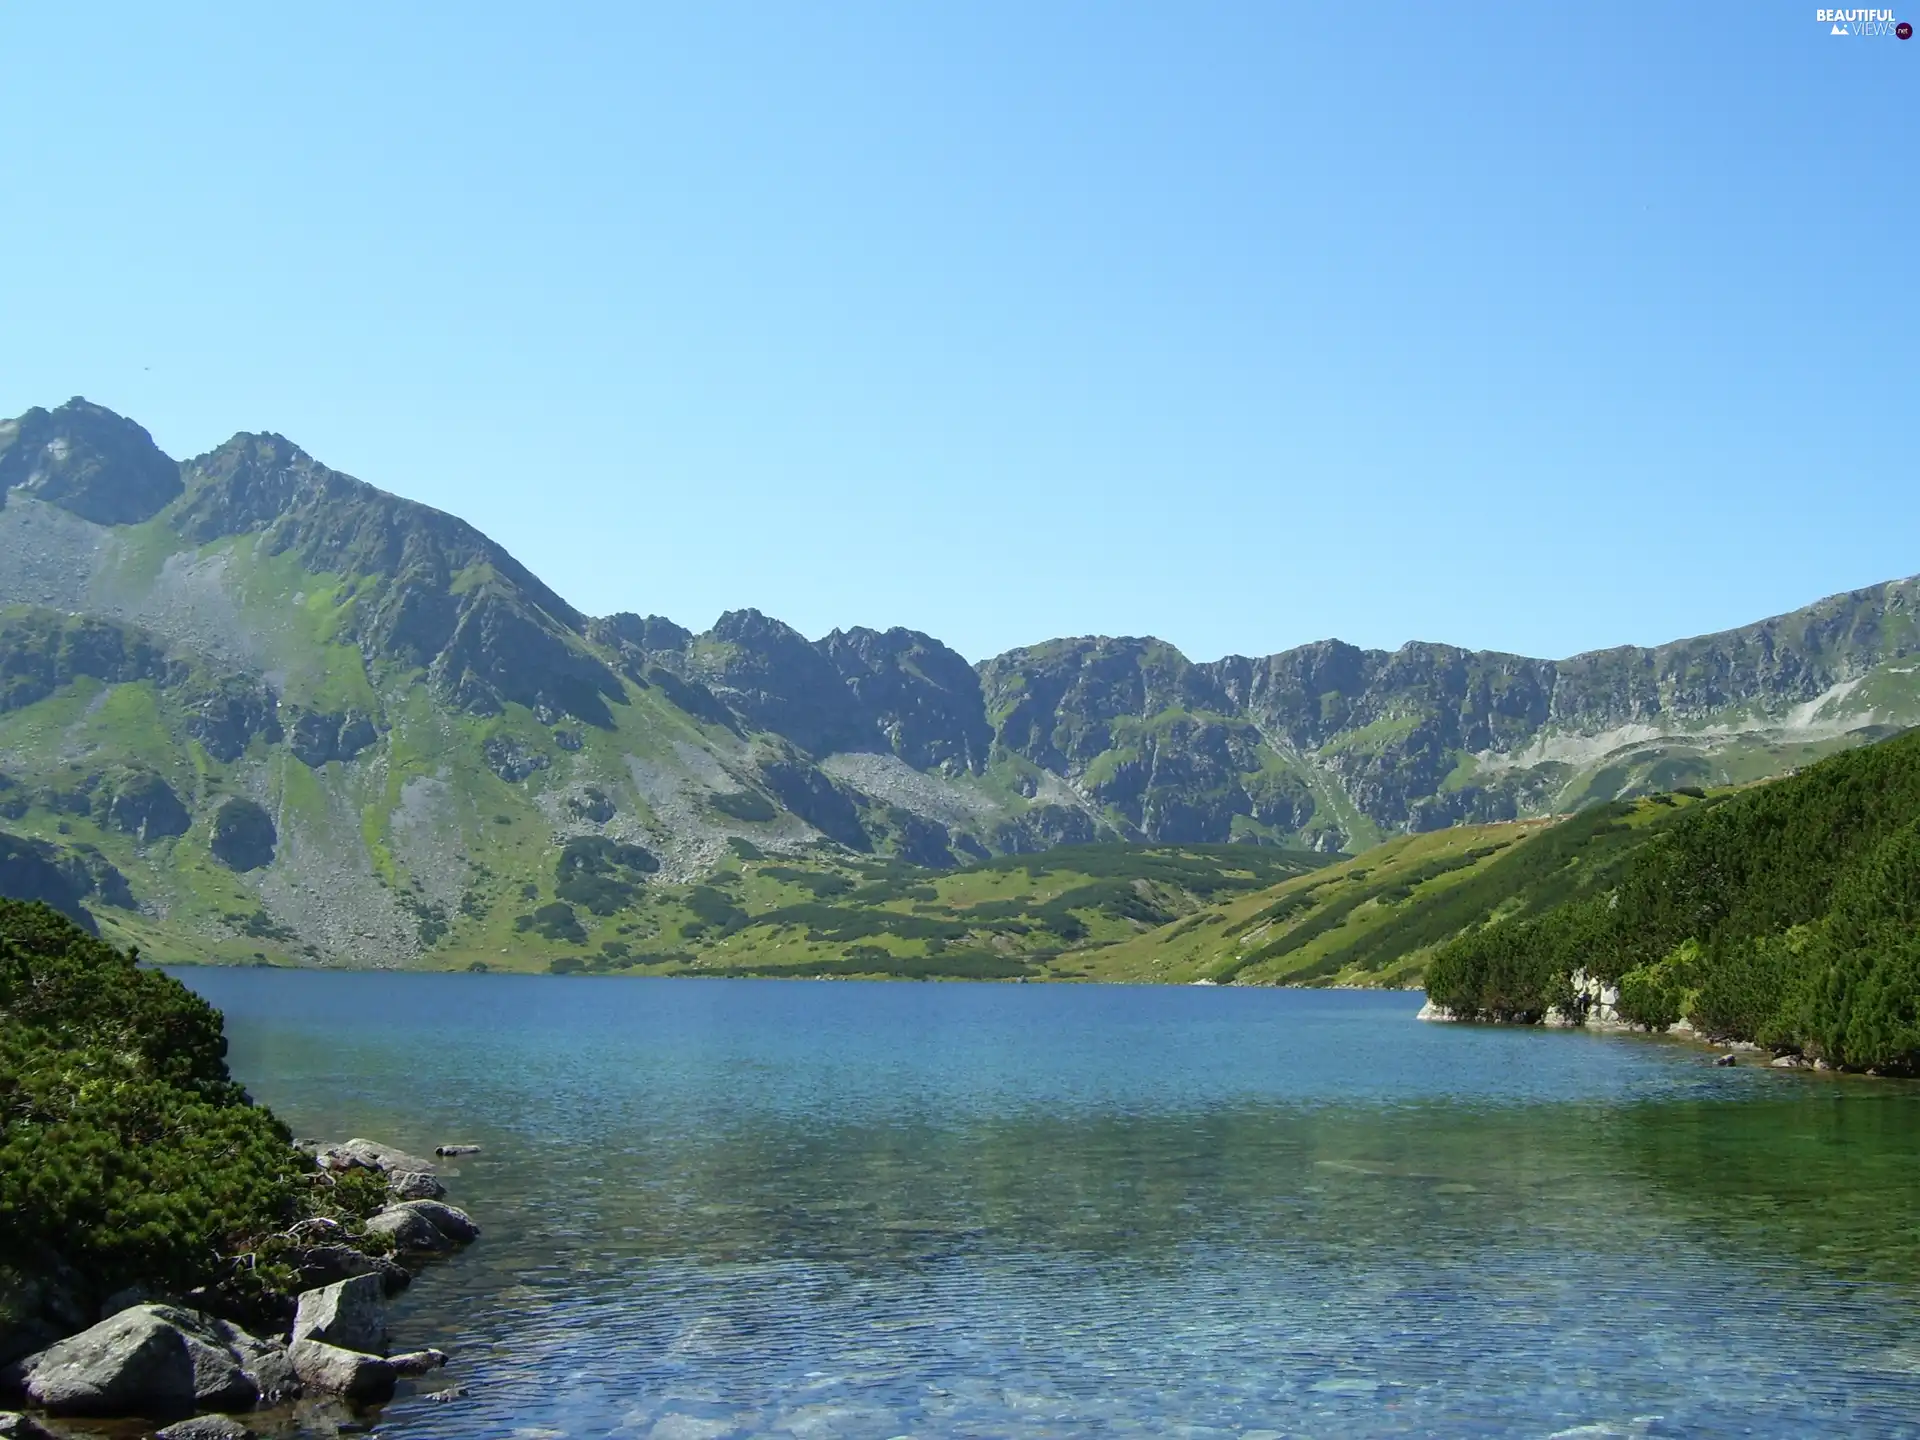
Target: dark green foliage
{"x": 243, "y": 835}
{"x": 1205, "y": 870}
{"x": 745, "y": 849}
{"x": 556, "y": 921}
{"x": 124, "y": 1145}
{"x": 871, "y": 960}
{"x": 714, "y": 910}
{"x": 822, "y": 883}
{"x": 260, "y": 925}
{"x": 602, "y": 874}
{"x": 841, "y": 925}
{"x": 749, "y": 805}
{"x": 1785, "y": 914}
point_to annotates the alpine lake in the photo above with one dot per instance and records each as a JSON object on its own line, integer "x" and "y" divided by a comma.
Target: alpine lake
{"x": 717, "y": 1209}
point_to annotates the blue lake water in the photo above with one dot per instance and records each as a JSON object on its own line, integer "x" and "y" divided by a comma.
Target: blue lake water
{"x": 739, "y": 1208}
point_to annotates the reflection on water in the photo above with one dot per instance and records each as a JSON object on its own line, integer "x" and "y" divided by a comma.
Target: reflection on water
{"x": 722, "y": 1209}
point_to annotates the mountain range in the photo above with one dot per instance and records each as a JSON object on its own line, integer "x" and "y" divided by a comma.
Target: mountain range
{"x": 251, "y": 706}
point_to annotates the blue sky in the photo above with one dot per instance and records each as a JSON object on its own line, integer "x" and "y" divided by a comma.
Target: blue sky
{"x": 1238, "y": 324}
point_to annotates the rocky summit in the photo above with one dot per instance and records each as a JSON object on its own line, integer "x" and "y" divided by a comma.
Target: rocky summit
{"x": 260, "y": 709}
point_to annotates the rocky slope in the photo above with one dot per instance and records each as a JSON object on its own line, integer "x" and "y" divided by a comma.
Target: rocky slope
{"x": 305, "y": 718}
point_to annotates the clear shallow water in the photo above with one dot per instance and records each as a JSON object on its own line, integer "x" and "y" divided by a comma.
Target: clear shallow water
{"x": 738, "y": 1208}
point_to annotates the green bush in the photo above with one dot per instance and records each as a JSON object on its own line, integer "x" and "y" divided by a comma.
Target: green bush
{"x": 125, "y": 1147}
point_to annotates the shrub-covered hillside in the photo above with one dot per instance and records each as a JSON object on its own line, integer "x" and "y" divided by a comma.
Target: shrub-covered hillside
{"x": 1786, "y": 914}
{"x": 127, "y": 1153}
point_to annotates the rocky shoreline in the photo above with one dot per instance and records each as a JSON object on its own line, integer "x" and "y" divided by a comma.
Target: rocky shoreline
{"x": 191, "y": 1366}
{"x": 1596, "y": 1007}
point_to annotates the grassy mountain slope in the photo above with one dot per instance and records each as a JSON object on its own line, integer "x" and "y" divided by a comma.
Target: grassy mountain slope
{"x": 306, "y": 719}
{"x": 1785, "y": 914}
{"x": 1377, "y": 918}
{"x": 826, "y": 912}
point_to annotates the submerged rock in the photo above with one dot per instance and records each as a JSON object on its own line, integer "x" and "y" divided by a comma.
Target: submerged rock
{"x": 206, "y": 1427}
{"x": 417, "y": 1362}
{"x": 364, "y": 1379}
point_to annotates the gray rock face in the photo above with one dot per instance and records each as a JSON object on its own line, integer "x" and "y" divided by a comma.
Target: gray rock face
{"x": 87, "y": 460}
{"x": 351, "y": 1314}
{"x": 228, "y": 715}
{"x": 512, "y": 761}
{"x": 923, "y": 697}
{"x": 206, "y": 1427}
{"x": 774, "y": 679}
{"x": 329, "y": 1370}
{"x": 510, "y": 638}
{"x": 139, "y": 802}
{"x": 317, "y": 737}
{"x": 15, "y": 1426}
{"x": 153, "y": 1360}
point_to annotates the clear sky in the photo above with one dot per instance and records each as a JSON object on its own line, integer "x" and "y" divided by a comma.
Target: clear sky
{"x": 1521, "y": 326}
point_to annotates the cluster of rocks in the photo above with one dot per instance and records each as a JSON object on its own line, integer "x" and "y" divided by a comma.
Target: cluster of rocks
{"x": 162, "y": 1361}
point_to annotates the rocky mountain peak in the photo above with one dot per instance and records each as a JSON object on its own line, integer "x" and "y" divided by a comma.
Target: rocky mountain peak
{"x": 87, "y": 460}
{"x": 922, "y": 695}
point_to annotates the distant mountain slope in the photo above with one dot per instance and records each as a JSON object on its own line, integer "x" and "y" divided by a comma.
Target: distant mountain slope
{"x": 307, "y": 718}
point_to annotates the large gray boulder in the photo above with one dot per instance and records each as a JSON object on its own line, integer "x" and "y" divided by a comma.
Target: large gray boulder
{"x": 412, "y": 1185}
{"x": 409, "y": 1230}
{"x": 351, "y": 1314}
{"x": 153, "y": 1360}
{"x": 449, "y": 1220}
{"x": 329, "y": 1370}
